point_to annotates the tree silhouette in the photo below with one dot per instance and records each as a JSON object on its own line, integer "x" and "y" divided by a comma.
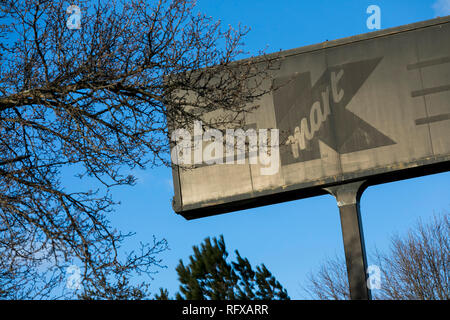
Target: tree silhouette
{"x": 96, "y": 102}
{"x": 209, "y": 276}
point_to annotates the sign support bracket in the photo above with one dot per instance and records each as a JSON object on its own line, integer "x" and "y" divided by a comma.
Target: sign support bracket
{"x": 348, "y": 198}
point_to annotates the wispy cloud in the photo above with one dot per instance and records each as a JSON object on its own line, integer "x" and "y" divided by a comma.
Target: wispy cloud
{"x": 442, "y": 8}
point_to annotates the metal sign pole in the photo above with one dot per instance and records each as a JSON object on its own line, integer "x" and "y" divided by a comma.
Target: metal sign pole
{"x": 347, "y": 197}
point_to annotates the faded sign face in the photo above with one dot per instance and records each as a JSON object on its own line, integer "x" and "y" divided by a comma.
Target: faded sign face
{"x": 364, "y": 107}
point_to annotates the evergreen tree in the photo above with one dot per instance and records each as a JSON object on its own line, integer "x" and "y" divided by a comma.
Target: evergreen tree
{"x": 209, "y": 276}
{"x": 163, "y": 294}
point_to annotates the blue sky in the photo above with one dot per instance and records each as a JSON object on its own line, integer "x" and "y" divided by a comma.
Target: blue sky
{"x": 292, "y": 238}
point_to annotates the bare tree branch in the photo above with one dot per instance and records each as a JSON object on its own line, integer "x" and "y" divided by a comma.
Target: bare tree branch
{"x": 415, "y": 268}
{"x": 97, "y": 100}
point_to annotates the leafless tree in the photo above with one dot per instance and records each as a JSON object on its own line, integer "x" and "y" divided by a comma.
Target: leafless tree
{"x": 415, "y": 268}
{"x": 330, "y": 281}
{"x": 97, "y": 101}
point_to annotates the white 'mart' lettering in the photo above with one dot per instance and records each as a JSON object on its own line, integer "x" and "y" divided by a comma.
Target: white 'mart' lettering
{"x": 317, "y": 116}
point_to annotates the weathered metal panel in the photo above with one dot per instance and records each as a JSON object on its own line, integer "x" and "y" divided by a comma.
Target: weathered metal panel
{"x": 375, "y": 107}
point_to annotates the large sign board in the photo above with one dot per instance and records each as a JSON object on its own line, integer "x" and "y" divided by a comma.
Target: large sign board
{"x": 372, "y": 107}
